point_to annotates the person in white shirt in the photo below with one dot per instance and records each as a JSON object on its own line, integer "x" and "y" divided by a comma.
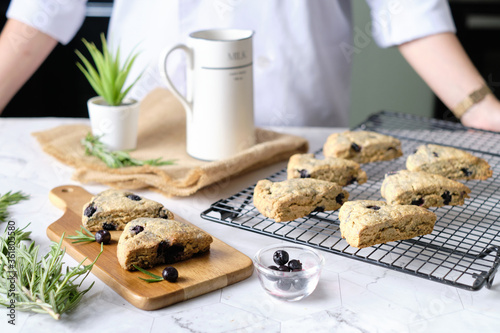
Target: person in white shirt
{"x": 302, "y": 49}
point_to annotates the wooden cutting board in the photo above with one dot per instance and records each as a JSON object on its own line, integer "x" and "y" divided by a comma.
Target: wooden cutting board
{"x": 220, "y": 267}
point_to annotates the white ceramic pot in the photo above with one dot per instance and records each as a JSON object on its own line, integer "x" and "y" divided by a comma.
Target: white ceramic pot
{"x": 116, "y": 125}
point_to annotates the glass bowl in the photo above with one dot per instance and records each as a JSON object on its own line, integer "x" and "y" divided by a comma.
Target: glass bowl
{"x": 289, "y": 285}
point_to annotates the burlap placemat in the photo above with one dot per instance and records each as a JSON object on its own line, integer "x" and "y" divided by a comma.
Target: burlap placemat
{"x": 162, "y": 133}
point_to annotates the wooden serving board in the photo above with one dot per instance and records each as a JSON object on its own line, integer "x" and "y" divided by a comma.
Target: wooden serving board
{"x": 220, "y": 267}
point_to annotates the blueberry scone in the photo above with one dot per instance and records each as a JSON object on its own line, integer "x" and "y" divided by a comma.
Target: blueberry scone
{"x": 362, "y": 146}
{"x": 297, "y": 197}
{"x": 366, "y": 223}
{"x": 147, "y": 242}
{"x": 113, "y": 209}
{"x": 449, "y": 162}
{"x": 422, "y": 189}
{"x": 332, "y": 169}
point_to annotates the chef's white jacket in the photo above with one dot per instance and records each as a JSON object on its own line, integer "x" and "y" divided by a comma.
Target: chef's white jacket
{"x": 302, "y": 48}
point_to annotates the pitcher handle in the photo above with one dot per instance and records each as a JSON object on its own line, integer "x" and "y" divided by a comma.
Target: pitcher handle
{"x": 186, "y": 101}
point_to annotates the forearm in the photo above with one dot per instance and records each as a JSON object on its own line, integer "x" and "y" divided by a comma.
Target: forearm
{"x": 22, "y": 51}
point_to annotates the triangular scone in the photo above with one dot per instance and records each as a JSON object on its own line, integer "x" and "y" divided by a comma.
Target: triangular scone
{"x": 422, "y": 189}
{"x": 366, "y": 223}
{"x": 448, "y": 162}
{"x": 147, "y": 242}
{"x": 332, "y": 169}
{"x": 113, "y": 209}
{"x": 294, "y": 198}
{"x": 362, "y": 146}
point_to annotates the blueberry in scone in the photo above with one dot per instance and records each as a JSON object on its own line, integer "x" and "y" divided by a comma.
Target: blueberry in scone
{"x": 332, "y": 169}
{"x": 147, "y": 242}
{"x": 293, "y": 198}
{"x": 449, "y": 162}
{"x": 366, "y": 223}
{"x": 113, "y": 209}
{"x": 422, "y": 189}
{"x": 362, "y": 146}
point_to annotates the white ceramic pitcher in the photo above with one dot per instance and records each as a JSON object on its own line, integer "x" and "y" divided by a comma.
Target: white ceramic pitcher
{"x": 219, "y": 92}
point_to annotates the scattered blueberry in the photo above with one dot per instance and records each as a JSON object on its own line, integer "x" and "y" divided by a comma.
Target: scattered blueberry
{"x": 295, "y": 265}
{"x": 304, "y": 173}
{"x": 284, "y": 284}
{"x": 134, "y": 197}
{"x": 466, "y": 172}
{"x": 418, "y": 202}
{"x": 280, "y": 257}
{"x": 108, "y": 226}
{"x": 446, "y": 197}
{"x": 137, "y": 229}
{"x": 340, "y": 198}
{"x": 90, "y": 210}
{"x": 355, "y": 147}
{"x": 373, "y": 207}
{"x": 103, "y": 236}
{"x": 170, "y": 274}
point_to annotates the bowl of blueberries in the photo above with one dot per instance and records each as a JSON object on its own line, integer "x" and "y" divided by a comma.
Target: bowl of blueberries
{"x": 288, "y": 272}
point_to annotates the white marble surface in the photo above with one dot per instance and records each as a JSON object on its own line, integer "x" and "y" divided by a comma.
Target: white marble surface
{"x": 352, "y": 296}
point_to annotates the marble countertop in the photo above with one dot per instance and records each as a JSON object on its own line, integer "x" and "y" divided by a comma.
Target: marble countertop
{"x": 352, "y": 296}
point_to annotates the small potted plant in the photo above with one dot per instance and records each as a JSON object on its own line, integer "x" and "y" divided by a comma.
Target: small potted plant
{"x": 113, "y": 117}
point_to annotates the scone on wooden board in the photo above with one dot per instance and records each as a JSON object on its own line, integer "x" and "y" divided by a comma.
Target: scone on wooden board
{"x": 147, "y": 242}
{"x": 332, "y": 169}
{"x": 113, "y": 209}
{"x": 366, "y": 223}
{"x": 423, "y": 189}
{"x": 362, "y": 146}
{"x": 293, "y": 198}
{"x": 449, "y": 162}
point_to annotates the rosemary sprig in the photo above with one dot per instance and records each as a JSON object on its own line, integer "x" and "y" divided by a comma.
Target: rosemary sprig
{"x": 83, "y": 235}
{"x": 40, "y": 285}
{"x": 156, "y": 278}
{"x": 116, "y": 159}
{"x": 9, "y": 199}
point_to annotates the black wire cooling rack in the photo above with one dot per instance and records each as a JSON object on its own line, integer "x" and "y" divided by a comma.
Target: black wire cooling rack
{"x": 464, "y": 248}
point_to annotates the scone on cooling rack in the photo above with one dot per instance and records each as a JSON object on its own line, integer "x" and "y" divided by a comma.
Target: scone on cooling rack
{"x": 362, "y": 146}
{"x": 366, "y": 223}
{"x": 293, "y": 198}
{"x": 449, "y": 162}
{"x": 424, "y": 189}
{"x": 113, "y": 209}
{"x": 332, "y": 169}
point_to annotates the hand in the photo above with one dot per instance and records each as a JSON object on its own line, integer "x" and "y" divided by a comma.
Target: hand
{"x": 484, "y": 115}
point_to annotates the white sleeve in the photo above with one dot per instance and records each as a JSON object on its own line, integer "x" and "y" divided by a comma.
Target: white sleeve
{"x": 60, "y": 19}
{"x": 395, "y": 22}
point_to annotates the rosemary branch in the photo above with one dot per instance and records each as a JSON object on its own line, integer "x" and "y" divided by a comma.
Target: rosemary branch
{"x": 155, "y": 278}
{"x": 82, "y": 235}
{"x": 116, "y": 159}
{"x": 9, "y": 199}
{"x": 39, "y": 285}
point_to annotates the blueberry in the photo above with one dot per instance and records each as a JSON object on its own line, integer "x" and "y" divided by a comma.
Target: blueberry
{"x": 304, "y": 173}
{"x": 319, "y": 209}
{"x": 355, "y": 147}
{"x": 351, "y": 181}
{"x": 373, "y": 207}
{"x": 284, "y": 284}
{"x": 164, "y": 213}
{"x": 340, "y": 198}
{"x": 435, "y": 154}
{"x": 170, "y": 274}
{"x": 280, "y": 257}
{"x": 299, "y": 284}
{"x": 466, "y": 172}
{"x": 108, "y": 226}
{"x": 102, "y": 236}
{"x": 295, "y": 264}
{"x": 134, "y": 197}
{"x": 169, "y": 253}
{"x": 137, "y": 229}
{"x": 446, "y": 197}
{"x": 274, "y": 268}
{"x": 284, "y": 268}
{"x": 90, "y": 210}
{"x": 418, "y": 202}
